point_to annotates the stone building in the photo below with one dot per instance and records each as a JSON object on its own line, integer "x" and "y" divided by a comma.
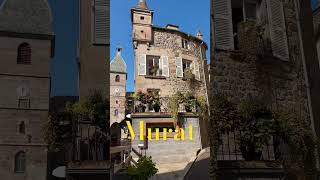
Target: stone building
{"x": 26, "y": 48}
{"x": 164, "y": 56}
{"x": 261, "y": 49}
{"x": 118, "y": 78}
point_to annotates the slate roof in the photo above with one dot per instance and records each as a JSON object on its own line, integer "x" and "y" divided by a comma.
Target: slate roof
{"x": 118, "y": 64}
{"x": 26, "y": 16}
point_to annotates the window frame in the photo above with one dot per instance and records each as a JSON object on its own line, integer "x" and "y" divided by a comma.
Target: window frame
{"x": 20, "y": 162}
{"x": 24, "y": 54}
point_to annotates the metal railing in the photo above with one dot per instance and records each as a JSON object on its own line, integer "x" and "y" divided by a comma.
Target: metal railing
{"x": 140, "y": 107}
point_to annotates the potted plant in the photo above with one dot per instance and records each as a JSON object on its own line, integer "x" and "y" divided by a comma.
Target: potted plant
{"x": 156, "y": 106}
{"x": 141, "y": 97}
{"x": 191, "y": 102}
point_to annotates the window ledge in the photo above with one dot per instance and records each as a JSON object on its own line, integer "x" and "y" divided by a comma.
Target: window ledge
{"x": 155, "y": 77}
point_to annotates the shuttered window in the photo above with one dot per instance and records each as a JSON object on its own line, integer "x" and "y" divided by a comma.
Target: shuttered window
{"x": 179, "y": 70}
{"x": 223, "y": 33}
{"x": 278, "y": 34}
{"x": 165, "y": 66}
{"x": 142, "y": 68}
{"x": 101, "y": 21}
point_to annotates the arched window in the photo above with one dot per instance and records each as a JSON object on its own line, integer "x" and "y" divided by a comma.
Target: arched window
{"x": 20, "y": 162}
{"x": 24, "y": 54}
{"x": 22, "y": 128}
{"x": 117, "y": 78}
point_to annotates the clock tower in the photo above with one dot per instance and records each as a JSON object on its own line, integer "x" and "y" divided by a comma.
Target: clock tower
{"x": 118, "y": 78}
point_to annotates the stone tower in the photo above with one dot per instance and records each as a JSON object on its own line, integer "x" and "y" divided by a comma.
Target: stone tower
{"x": 142, "y": 23}
{"x": 26, "y": 47}
{"x": 118, "y": 77}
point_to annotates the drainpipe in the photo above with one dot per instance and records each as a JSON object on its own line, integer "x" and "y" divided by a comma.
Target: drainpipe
{"x": 297, "y": 9}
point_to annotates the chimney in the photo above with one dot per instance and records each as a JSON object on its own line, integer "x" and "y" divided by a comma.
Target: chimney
{"x": 173, "y": 27}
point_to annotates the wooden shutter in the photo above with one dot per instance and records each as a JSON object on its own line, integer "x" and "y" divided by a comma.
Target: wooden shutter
{"x": 142, "y": 59}
{"x": 223, "y": 32}
{"x": 101, "y": 20}
{"x": 277, "y": 27}
{"x": 179, "y": 70}
{"x": 165, "y": 66}
{"x": 197, "y": 71}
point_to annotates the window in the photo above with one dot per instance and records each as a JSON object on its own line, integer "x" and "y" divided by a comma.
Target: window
{"x": 186, "y": 65}
{"x": 117, "y": 78}
{"x": 185, "y": 44}
{"x": 100, "y": 22}
{"x": 24, "y": 54}
{"x": 250, "y": 9}
{"x": 141, "y": 17}
{"x": 20, "y": 162}
{"x": 22, "y": 128}
{"x": 24, "y": 103}
{"x": 183, "y": 66}
{"x": 116, "y": 112}
{"x": 161, "y": 126}
{"x": 153, "y": 66}
{"x": 117, "y": 102}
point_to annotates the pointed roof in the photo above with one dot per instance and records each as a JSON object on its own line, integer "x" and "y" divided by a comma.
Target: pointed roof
{"x": 118, "y": 64}
{"x": 142, "y": 4}
{"x": 24, "y": 16}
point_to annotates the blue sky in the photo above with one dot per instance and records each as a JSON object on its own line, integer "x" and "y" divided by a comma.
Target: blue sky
{"x": 65, "y": 14}
{"x": 64, "y": 72}
{"x": 190, "y": 16}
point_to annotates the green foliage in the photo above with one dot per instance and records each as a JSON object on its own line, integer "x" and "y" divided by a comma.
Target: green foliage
{"x": 258, "y": 125}
{"x": 190, "y": 101}
{"x": 152, "y": 98}
{"x": 58, "y": 129}
{"x": 144, "y": 169}
{"x": 302, "y": 143}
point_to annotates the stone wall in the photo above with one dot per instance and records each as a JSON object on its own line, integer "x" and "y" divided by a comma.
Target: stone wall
{"x": 167, "y": 43}
{"x": 117, "y": 94}
{"x": 16, "y": 79}
{"x": 243, "y": 74}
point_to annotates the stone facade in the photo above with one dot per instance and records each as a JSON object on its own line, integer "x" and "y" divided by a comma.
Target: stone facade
{"x": 26, "y": 49}
{"x": 168, "y": 43}
{"x": 118, "y": 79}
{"x": 32, "y": 83}
{"x": 254, "y": 71}
{"x": 169, "y": 51}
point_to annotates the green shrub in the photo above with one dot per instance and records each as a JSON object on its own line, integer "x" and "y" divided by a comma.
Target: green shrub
{"x": 144, "y": 169}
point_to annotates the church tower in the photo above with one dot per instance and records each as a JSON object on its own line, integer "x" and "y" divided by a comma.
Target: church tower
{"x": 141, "y": 18}
{"x": 26, "y": 48}
{"x": 118, "y": 78}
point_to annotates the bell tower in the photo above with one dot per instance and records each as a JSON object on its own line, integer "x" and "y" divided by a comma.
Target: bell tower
{"x": 141, "y": 18}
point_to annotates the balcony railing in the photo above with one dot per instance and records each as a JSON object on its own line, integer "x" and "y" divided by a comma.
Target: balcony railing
{"x": 140, "y": 107}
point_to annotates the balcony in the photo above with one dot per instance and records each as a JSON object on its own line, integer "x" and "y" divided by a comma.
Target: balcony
{"x": 142, "y": 107}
